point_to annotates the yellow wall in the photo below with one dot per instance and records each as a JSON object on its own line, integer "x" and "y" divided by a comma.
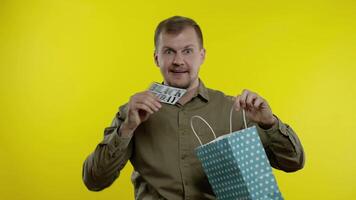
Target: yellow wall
{"x": 66, "y": 66}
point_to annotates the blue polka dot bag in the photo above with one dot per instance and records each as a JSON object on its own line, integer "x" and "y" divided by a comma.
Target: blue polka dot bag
{"x": 237, "y": 166}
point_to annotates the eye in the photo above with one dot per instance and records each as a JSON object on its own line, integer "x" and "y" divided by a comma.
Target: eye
{"x": 168, "y": 51}
{"x": 188, "y": 51}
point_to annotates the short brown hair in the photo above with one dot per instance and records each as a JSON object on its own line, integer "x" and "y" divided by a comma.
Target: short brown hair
{"x": 175, "y": 25}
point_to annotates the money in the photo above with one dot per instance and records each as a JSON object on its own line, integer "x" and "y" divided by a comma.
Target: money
{"x": 167, "y": 94}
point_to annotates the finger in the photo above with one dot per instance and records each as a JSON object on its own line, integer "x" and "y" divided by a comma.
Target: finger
{"x": 243, "y": 98}
{"x": 153, "y": 95}
{"x": 157, "y": 104}
{"x": 251, "y": 97}
{"x": 237, "y": 105}
{"x": 150, "y": 96}
{"x": 150, "y": 102}
{"x": 137, "y": 102}
{"x": 140, "y": 106}
{"x": 258, "y": 102}
{"x": 155, "y": 100}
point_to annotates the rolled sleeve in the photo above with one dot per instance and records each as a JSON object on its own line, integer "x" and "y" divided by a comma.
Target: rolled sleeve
{"x": 103, "y": 166}
{"x": 283, "y": 147}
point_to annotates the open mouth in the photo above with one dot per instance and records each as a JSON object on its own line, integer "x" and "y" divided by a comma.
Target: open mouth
{"x": 178, "y": 71}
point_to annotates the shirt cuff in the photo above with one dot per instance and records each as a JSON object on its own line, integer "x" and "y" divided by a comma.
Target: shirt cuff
{"x": 279, "y": 126}
{"x": 115, "y": 141}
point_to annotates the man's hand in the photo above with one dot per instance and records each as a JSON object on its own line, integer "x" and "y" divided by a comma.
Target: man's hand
{"x": 256, "y": 108}
{"x": 140, "y": 107}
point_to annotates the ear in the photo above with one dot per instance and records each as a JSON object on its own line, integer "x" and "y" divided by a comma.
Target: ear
{"x": 202, "y": 55}
{"x": 155, "y": 56}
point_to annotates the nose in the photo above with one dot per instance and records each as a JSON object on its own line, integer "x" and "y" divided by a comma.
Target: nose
{"x": 178, "y": 59}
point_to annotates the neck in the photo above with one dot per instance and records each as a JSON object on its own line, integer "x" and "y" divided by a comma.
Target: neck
{"x": 191, "y": 92}
{"x": 194, "y": 85}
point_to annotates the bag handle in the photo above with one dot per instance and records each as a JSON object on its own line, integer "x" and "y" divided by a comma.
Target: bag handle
{"x": 199, "y": 117}
{"x": 196, "y": 135}
{"x": 243, "y": 116}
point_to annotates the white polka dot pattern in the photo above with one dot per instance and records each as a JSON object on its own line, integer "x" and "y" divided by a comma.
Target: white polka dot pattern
{"x": 237, "y": 167}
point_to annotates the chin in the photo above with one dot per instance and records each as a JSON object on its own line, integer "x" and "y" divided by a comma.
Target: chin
{"x": 179, "y": 85}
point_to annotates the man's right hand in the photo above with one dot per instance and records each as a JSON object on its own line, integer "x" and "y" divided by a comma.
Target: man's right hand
{"x": 140, "y": 107}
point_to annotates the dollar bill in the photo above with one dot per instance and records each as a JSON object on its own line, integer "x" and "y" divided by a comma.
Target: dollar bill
{"x": 167, "y": 94}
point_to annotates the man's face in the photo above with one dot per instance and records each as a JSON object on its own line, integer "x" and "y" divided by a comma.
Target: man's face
{"x": 179, "y": 57}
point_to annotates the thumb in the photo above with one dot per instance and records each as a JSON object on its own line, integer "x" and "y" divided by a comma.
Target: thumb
{"x": 236, "y": 104}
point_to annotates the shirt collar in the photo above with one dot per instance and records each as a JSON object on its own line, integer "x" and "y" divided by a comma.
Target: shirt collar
{"x": 203, "y": 91}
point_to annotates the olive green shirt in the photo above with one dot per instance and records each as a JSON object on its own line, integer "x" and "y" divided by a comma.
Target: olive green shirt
{"x": 161, "y": 149}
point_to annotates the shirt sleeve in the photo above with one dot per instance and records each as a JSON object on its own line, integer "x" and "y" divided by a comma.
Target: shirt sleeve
{"x": 103, "y": 166}
{"x": 283, "y": 147}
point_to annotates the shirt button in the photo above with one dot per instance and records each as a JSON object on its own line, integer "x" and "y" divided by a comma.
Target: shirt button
{"x": 184, "y": 156}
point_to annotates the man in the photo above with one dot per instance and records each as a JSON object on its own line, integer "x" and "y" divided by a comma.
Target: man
{"x": 157, "y": 138}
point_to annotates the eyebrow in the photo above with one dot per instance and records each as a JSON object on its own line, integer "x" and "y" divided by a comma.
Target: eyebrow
{"x": 187, "y": 46}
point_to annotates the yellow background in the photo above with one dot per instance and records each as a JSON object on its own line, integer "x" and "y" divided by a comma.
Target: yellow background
{"x": 67, "y": 65}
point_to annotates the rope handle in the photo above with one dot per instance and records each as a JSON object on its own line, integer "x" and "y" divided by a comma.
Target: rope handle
{"x": 196, "y": 135}
{"x": 199, "y": 117}
{"x": 243, "y": 116}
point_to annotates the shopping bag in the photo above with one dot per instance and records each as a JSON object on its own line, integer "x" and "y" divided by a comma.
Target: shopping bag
{"x": 237, "y": 166}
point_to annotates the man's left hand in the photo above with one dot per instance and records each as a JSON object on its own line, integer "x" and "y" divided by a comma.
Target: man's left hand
{"x": 256, "y": 108}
